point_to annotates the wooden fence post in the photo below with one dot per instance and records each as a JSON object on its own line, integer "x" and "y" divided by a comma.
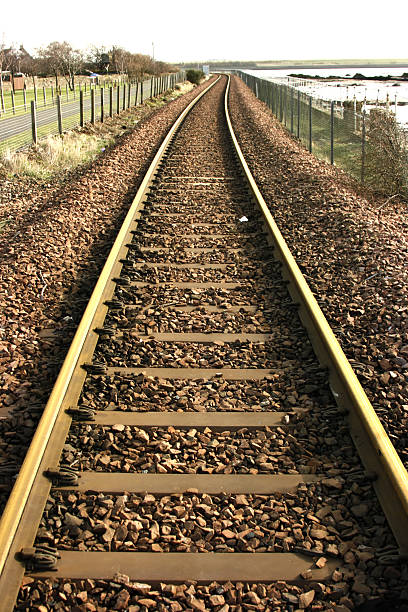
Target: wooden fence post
{"x": 92, "y": 106}
{"x": 33, "y": 122}
{"x": 81, "y": 108}
{"x": 3, "y": 106}
{"x": 59, "y": 114}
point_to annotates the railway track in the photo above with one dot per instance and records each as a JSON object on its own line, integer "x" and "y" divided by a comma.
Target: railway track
{"x": 192, "y": 434}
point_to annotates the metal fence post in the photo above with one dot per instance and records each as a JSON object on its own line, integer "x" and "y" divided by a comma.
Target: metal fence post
{"x": 110, "y": 102}
{"x": 298, "y": 114}
{"x": 291, "y": 110}
{"x": 124, "y": 97}
{"x": 59, "y": 115}
{"x": 136, "y": 90}
{"x": 129, "y": 94}
{"x": 118, "y": 99}
{"x": 25, "y": 99}
{"x": 44, "y": 96}
{"x": 332, "y": 132}
{"x": 81, "y": 108}
{"x": 141, "y": 91}
{"x": 363, "y": 151}
{"x": 33, "y": 121}
{"x": 310, "y": 124}
{"x": 13, "y": 102}
{"x": 102, "y": 105}
{"x": 280, "y": 104}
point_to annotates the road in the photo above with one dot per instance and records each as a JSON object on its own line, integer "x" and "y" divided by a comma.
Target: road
{"x": 19, "y": 127}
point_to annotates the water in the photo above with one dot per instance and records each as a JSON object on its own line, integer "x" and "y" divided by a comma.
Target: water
{"x": 339, "y": 90}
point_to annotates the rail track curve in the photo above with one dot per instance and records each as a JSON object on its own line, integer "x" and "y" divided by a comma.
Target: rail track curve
{"x": 182, "y": 434}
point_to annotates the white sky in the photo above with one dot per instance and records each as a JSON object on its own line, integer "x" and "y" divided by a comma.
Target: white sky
{"x": 184, "y": 30}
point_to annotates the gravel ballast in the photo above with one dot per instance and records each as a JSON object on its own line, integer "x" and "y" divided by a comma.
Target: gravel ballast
{"x": 335, "y": 519}
{"x": 51, "y": 256}
{"x": 352, "y": 249}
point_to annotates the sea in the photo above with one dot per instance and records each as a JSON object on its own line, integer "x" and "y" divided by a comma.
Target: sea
{"x": 395, "y": 93}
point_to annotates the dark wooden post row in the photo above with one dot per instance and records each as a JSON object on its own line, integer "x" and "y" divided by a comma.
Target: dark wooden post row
{"x": 92, "y": 106}
{"x": 33, "y": 122}
{"x": 81, "y": 108}
{"x": 59, "y": 114}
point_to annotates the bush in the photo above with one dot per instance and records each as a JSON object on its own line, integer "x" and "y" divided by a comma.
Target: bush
{"x": 194, "y": 76}
{"x": 386, "y": 167}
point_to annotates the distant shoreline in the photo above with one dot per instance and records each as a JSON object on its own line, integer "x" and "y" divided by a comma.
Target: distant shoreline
{"x": 325, "y": 66}
{"x": 356, "y": 77}
{"x": 303, "y": 65}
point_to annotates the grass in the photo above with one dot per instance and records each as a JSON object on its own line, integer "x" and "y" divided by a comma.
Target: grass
{"x": 20, "y": 109}
{"x": 55, "y": 154}
{"x": 347, "y": 140}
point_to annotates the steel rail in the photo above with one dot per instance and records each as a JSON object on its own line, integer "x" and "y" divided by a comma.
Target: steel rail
{"x": 12, "y": 515}
{"x": 344, "y": 384}
{"x": 373, "y": 444}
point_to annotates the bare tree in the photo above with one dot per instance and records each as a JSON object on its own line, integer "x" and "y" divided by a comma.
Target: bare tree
{"x": 60, "y": 59}
{"x": 120, "y": 59}
{"x": 30, "y": 66}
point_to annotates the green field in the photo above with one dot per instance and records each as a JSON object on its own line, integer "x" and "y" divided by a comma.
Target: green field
{"x": 21, "y": 108}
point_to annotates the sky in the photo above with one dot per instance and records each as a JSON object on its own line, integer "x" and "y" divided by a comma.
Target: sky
{"x": 188, "y": 30}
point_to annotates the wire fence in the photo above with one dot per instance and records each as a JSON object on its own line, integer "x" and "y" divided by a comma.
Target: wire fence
{"x": 339, "y": 132}
{"x": 63, "y": 112}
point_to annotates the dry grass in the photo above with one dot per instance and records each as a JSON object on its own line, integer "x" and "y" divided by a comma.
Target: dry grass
{"x": 55, "y": 154}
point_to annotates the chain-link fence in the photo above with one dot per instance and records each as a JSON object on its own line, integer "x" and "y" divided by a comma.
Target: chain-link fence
{"x": 337, "y": 132}
{"x": 60, "y": 113}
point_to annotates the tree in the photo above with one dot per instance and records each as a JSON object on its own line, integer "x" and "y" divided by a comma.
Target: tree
{"x": 386, "y": 154}
{"x": 30, "y": 66}
{"x": 120, "y": 59}
{"x": 60, "y": 59}
{"x": 98, "y": 59}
